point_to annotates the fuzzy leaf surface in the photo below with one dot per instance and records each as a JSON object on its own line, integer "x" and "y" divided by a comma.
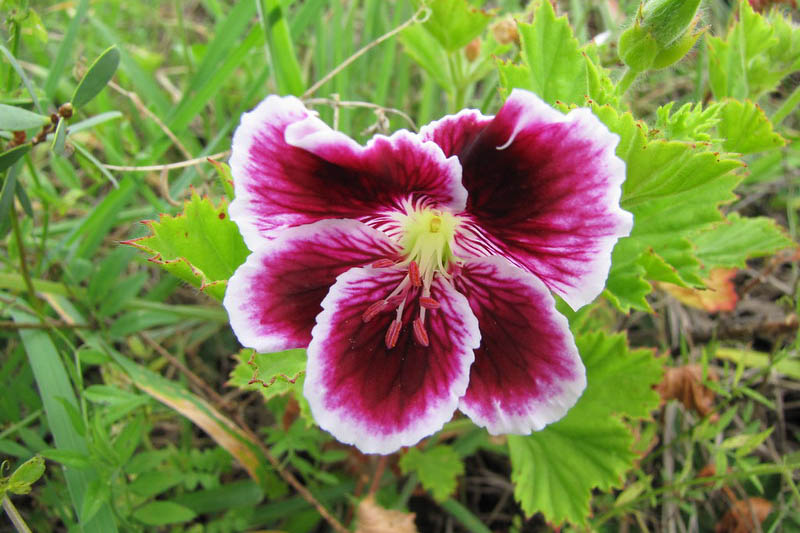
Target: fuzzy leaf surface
{"x": 745, "y": 128}
{"x": 731, "y": 242}
{"x": 556, "y": 469}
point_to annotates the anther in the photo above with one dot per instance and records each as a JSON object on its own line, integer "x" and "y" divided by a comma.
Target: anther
{"x": 382, "y": 263}
{"x": 393, "y": 333}
{"x": 413, "y": 274}
{"x": 428, "y": 303}
{"x": 419, "y": 332}
{"x": 373, "y": 310}
{"x": 436, "y": 224}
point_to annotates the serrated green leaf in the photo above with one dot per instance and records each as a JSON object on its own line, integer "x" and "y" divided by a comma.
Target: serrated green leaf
{"x": 26, "y": 475}
{"x": 9, "y": 157}
{"x": 691, "y": 123}
{"x": 454, "y": 23}
{"x": 744, "y": 128}
{"x": 756, "y": 54}
{"x": 672, "y": 189}
{"x": 97, "y": 77}
{"x": 732, "y": 242}
{"x": 201, "y": 246}
{"x": 556, "y": 469}
{"x": 272, "y": 374}
{"x": 437, "y": 468}
{"x": 13, "y": 118}
{"x": 160, "y": 513}
{"x": 553, "y": 67}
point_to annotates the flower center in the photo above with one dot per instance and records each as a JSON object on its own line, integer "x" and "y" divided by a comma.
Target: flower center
{"x": 427, "y": 238}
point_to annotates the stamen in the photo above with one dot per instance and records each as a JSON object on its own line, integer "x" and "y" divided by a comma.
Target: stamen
{"x": 419, "y": 332}
{"x": 373, "y": 310}
{"x": 393, "y": 333}
{"x": 413, "y": 274}
{"x": 428, "y": 303}
{"x": 436, "y": 224}
{"x": 382, "y": 263}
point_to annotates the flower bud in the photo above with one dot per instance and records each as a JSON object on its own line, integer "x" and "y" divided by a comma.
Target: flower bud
{"x": 473, "y": 49}
{"x": 669, "y": 20}
{"x": 505, "y": 31}
{"x": 661, "y": 35}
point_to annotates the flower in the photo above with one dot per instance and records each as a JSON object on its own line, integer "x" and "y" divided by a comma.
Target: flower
{"x": 418, "y": 269}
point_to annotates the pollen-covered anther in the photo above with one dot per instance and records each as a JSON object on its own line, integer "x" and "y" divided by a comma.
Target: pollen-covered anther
{"x": 373, "y": 310}
{"x": 393, "y": 333}
{"x": 420, "y": 333}
{"x": 382, "y": 263}
{"x": 413, "y": 274}
{"x": 428, "y": 303}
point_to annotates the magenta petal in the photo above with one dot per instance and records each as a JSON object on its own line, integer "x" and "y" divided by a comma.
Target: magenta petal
{"x": 274, "y": 297}
{"x": 544, "y": 191}
{"x": 289, "y": 168}
{"x": 376, "y": 398}
{"x": 527, "y": 371}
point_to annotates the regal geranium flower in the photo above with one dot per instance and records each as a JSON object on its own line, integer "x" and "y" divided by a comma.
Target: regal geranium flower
{"x": 418, "y": 269}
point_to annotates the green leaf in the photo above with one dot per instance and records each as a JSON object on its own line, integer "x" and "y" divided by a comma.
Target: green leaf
{"x": 745, "y": 128}
{"x": 556, "y": 469}
{"x": 454, "y": 23}
{"x": 553, "y": 67}
{"x": 26, "y": 475}
{"x": 13, "y": 118}
{"x": 672, "y": 189}
{"x": 9, "y": 157}
{"x": 428, "y": 53}
{"x": 272, "y": 374}
{"x": 97, "y": 77}
{"x": 59, "y": 137}
{"x": 756, "y": 54}
{"x": 732, "y": 242}
{"x": 437, "y": 468}
{"x": 689, "y": 123}
{"x": 201, "y": 246}
{"x": 74, "y": 459}
{"x": 160, "y": 513}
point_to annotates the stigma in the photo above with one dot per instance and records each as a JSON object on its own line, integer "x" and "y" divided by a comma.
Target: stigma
{"x": 426, "y": 239}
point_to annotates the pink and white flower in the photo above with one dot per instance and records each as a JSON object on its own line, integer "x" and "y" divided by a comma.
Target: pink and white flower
{"x": 418, "y": 269}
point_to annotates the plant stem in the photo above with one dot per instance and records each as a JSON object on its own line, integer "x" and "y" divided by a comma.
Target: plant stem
{"x": 787, "y": 107}
{"x": 16, "y": 518}
{"x": 626, "y": 81}
{"x": 23, "y": 266}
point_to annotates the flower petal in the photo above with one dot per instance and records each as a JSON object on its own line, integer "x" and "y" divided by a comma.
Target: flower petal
{"x": 290, "y": 168}
{"x": 274, "y": 297}
{"x": 544, "y": 191}
{"x": 527, "y": 371}
{"x": 376, "y": 398}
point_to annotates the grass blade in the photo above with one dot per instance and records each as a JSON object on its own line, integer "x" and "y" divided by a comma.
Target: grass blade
{"x": 51, "y": 376}
{"x": 280, "y": 49}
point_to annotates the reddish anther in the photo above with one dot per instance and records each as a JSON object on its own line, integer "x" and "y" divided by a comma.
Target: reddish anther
{"x": 413, "y": 274}
{"x": 393, "y": 333}
{"x": 420, "y": 333}
{"x": 382, "y": 263}
{"x": 428, "y": 303}
{"x": 373, "y": 310}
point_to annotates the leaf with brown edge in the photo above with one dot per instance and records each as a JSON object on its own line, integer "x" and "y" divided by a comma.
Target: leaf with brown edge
{"x": 372, "y": 518}
{"x": 685, "y": 384}
{"x": 202, "y": 246}
{"x": 719, "y": 294}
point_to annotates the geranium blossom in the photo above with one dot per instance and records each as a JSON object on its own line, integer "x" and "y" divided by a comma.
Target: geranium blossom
{"x": 418, "y": 269}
